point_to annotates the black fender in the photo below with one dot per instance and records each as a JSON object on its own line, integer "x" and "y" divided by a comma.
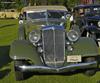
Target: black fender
{"x": 24, "y": 50}
{"x": 85, "y": 47}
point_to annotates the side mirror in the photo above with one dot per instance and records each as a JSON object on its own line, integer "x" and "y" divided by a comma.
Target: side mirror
{"x": 20, "y": 17}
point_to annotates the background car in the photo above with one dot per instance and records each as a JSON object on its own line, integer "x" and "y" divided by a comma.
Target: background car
{"x": 88, "y": 19}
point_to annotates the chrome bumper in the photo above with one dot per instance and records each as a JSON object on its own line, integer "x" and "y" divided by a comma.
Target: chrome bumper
{"x": 45, "y": 69}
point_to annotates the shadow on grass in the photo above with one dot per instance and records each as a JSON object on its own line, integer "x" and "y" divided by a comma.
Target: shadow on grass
{"x": 70, "y": 73}
{"x": 4, "y": 61}
{"x": 3, "y": 26}
{"x": 4, "y": 73}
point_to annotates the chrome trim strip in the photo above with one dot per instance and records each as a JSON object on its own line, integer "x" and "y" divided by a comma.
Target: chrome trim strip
{"x": 54, "y": 46}
{"x": 46, "y": 69}
{"x": 43, "y": 44}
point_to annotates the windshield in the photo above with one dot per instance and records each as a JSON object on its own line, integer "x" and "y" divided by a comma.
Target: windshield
{"x": 88, "y": 11}
{"x": 50, "y": 14}
{"x": 36, "y": 15}
{"x": 47, "y": 17}
{"x": 92, "y": 11}
{"x": 56, "y": 14}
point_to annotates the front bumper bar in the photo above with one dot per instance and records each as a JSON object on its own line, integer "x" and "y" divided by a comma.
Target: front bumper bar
{"x": 46, "y": 69}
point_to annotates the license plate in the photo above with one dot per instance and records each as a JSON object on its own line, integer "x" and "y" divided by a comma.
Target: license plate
{"x": 75, "y": 58}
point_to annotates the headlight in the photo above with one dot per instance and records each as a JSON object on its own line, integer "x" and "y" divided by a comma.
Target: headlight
{"x": 34, "y": 36}
{"x": 99, "y": 23}
{"x": 73, "y": 35}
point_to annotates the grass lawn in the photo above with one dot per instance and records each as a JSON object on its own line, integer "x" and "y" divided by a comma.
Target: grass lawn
{"x": 8, "y": 33}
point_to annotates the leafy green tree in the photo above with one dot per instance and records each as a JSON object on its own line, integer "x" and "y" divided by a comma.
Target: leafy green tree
{"x": 32, "y": 2}
{"x": 56, "y": 2}
{"x": 0, "y": 5}
{"x": 19, "y": 5}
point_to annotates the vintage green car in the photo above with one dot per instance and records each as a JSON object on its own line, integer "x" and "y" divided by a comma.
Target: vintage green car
{"x": 44, "y": 45}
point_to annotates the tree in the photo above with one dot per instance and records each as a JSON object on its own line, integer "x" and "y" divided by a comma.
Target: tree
{"x": 55, "y": 2}
{"x": 19, "y": 5}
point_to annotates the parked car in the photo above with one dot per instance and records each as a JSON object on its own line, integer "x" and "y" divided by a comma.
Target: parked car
{"x": 88, "y": 19}
{"x": 44, "y": 45}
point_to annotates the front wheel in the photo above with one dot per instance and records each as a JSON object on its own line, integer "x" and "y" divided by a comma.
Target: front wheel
{"x": 90, "y": 72}
{"x": 19, "y": 74}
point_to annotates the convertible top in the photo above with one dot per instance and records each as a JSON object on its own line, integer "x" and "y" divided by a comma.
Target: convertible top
{"x": 39, "y": 8}
{"x": 87, "y": 6}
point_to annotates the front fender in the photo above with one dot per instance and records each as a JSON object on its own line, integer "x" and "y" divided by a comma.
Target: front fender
{"x": 22, "y": 49}
{"x": 84, "y": 47}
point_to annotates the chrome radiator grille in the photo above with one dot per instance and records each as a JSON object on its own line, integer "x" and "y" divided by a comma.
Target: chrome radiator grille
{"x": 53, "y": 45}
